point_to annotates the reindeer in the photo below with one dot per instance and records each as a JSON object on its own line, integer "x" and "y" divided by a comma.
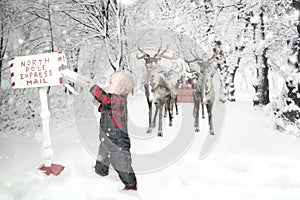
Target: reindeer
{"x": 203, "y": 89}
{"x": 157, "y": 88}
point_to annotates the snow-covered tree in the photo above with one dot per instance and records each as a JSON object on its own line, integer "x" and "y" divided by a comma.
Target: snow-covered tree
{"x": 261, "y": 84}
{"x": 103, "y": 22}
{"x": 7, "y": 13}
{"x": 37, "y": 26}
{"x": 255, "y": 35}
{"x": 293, "y": 85}
{"x": 296, "y": 41}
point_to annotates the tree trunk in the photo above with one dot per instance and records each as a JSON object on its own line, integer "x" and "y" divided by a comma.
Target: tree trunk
{"x": 1, "y": 59}
{"x": 1, "y": 62}
{"x": 231, "y": 74}
{"x": 223, "y": 71}
{"x": 231, "y": 86}
{"x": 1, "y": 43}
{"x": 261, "y": 85}
{"x": 124, "y": 61}
{"x": 50, "y": 28}
{"x": 51, "y": 36}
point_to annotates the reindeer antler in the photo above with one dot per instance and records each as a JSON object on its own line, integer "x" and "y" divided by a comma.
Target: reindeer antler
{"x": 144, "y": 54}
{"x": 191, "y": 61}
{"x": 196, "y": 58}
{"x": 159, "y": 49}
{"x": 160, "y": 54}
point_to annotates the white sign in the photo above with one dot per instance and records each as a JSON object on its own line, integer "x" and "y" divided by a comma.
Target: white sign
{"x": 37, "y": 70}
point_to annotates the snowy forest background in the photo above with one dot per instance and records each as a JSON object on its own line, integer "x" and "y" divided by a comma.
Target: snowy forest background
{"x": 260, "y": 40}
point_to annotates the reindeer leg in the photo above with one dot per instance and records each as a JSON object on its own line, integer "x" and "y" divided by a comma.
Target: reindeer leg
{"x": 202, "y": 108}
{"x": 153, "y": 121}
{"x": 167, "y": 105}
{"x": 150, "y": 112}
{"x": 209, "y": 112}
{"x": 160, "y": 132}
{"x": 166, "y": 111}
{"x": 150, "y": 117}
{"x": 153, "y": 124}
{"x": 176, "y": 106}
{"x": 201, "y": 99}
{"x": 195, "y": 102}
{"x": 170, "y": 108}
{"x": 147, "y": 93}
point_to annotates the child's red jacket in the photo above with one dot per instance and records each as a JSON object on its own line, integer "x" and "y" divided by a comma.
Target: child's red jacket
{"x": 115, "y": 103}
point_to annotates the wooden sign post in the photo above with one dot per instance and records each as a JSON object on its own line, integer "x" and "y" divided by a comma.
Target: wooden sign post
{"x": 40, "y": 71}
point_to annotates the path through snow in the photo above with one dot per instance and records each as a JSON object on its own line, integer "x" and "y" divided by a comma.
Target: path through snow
{"x": 250, "y": 161}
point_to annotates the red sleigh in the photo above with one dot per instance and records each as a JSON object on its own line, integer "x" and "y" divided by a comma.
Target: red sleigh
{"x": 185, "y": 91}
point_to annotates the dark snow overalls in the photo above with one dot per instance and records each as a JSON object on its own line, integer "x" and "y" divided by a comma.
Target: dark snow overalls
{"x": 114, "y": 147}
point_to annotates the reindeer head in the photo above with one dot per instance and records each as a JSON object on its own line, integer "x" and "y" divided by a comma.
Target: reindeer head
{"x": 218, "y": 56}
{"x": 205, "y": 65}
{"x": 151, "y": 62}
{"x": 175, "y": 69}
{"x": 204, "y": 74}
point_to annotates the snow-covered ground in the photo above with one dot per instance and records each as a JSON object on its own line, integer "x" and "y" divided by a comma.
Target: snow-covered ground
{"x": 250, "y": 161}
